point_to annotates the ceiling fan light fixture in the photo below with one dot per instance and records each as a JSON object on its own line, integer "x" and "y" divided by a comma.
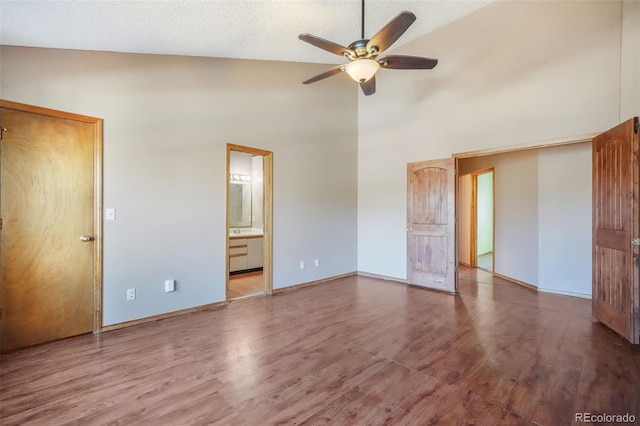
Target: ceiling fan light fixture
{"x": 362, "y": 70}
{"x": 363, "y": 54}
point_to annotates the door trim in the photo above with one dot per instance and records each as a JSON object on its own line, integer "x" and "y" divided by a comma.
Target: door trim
{"x": 267, "y": 216}
{"x": 473, "y": 231}
{"x": 473, "y": 223}
{"x": 523, "y": 147}
{"x": 97, "y": 193}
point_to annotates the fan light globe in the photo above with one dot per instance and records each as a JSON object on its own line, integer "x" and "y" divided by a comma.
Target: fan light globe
{"x": 362, "y": 70}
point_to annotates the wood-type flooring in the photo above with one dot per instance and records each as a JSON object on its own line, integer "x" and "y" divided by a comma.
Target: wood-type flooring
{"x": 351, "y": 351}
{"x": 247, "y": 284}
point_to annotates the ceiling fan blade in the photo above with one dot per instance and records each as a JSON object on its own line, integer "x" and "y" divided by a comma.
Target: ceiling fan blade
{"x": 401, "y": 62}
{"x": 328, "y": 73}
{"x": 391, "y": 32}
{"x": 369, "y": 86}
{"x": 327, "y": 45}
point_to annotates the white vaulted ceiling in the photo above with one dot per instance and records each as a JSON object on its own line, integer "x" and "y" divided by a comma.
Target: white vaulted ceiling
{"x": 245, "y": 29}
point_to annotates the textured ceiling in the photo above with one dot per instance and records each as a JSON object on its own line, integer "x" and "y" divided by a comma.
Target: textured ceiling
{"x": 246, "y": 29}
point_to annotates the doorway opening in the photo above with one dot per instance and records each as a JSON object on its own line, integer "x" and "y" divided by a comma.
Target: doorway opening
{"x": 249, "y": 207}
{"x": 482, "y": 219}
{"x": 542, "y": 202}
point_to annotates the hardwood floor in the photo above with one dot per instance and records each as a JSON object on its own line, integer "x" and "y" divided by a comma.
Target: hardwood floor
{"x": 353, "y": 351}
{"x": 247, "y": 284}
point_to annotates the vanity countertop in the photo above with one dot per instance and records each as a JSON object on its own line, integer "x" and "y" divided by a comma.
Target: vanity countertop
{"x": 246, "y": 232}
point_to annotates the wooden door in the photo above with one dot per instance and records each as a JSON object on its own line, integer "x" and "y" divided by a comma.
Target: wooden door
{"x": 46, "y": 206}
{"x": 431, "y": 254}
{"x": 615, "y": 225}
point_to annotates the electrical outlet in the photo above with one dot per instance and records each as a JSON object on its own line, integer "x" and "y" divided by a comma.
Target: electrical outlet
{"x": 131, "y": 294}
{"x": 169, "y": 286}
{"x": 302, "y": 264}
{"x": 317, "y": 262}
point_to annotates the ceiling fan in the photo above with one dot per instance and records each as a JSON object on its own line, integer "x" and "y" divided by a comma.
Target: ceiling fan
{"x": 363, "y": 54}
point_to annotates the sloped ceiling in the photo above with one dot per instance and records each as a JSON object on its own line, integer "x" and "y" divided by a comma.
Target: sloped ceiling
{"x": 244, "y": 29}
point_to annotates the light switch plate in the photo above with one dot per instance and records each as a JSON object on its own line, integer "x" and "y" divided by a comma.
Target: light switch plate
{"x": 110, "y": 214}
{"x": 169, "y": 286}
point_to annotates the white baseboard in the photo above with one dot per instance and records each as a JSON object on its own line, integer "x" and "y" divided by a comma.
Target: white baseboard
{"x": 312, "y": 283}
{"x": 565, "y": 293}
{"x": 382, "y": 277}
{"x": 543, "y": 290}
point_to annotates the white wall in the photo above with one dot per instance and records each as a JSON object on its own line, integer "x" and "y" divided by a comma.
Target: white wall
{"x": 564, "y": 219}
{"x": 543, "y": 216}
{"x": 630, "y": 72}
{"x": 510, "y": 73}
{"x": 167, "y": 120}
{"x": 257, "y": 193}
{"x": 516, "y": 211}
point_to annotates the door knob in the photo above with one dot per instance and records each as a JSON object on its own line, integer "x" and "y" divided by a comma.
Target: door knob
{"x": 86, "y": 238}
{"x": 409, "y": 229}
{"x": 635, "y": 242}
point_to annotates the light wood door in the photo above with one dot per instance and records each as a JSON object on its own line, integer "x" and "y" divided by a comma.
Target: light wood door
{"x": 47, "y": 205}
{"x": 431, "y": 255}
{"x": 615, "y": 225}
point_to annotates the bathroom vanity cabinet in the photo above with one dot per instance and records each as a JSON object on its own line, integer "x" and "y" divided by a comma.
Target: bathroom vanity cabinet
{"x": 245, "y": 253}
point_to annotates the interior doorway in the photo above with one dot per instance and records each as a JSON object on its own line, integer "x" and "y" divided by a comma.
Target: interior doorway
{"x": 249, "y": 207}
{"x": 542, "y": 208}
{"x": 482, "y": 219}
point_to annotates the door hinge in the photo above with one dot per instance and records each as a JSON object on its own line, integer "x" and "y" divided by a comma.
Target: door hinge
{"x": 635, "y": 125}
{"x": 2, "y": 130}
{"x": 0, "y": 224}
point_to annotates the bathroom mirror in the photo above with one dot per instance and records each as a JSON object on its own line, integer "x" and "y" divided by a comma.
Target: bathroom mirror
{"x": 239, "y": 204}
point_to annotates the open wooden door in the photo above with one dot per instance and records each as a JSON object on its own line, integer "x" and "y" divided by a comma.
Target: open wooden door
{"x": 431, "y": 254}
{"x": 50, "y": 235}
{"x": 615, "y": 294}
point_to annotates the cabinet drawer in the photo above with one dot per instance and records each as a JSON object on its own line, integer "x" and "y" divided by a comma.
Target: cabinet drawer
{"x": 238, "y": 250}
{"x": 234, "y": 242}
